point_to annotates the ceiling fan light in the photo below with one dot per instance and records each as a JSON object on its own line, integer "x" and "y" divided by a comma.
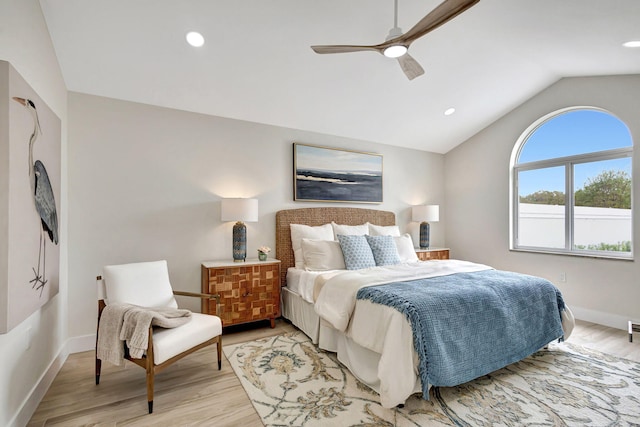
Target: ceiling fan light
{"x": 195, "y": 39}
{"x": 395, "y": 51}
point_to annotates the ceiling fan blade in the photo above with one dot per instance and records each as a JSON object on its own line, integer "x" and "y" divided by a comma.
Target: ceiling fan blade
{"x": 446, "y": 11}
{"x": 410, "y": 66}
{"x": 343, "y": 48}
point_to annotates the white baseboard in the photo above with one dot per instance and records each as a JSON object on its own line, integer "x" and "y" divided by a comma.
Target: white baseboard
{"x": 73, "y": 345}
{"x": 38, "y": 391}
{"x": 601, "y": 318}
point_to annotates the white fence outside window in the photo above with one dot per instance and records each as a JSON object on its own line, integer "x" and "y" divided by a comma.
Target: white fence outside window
{"x": 543, "y": 225}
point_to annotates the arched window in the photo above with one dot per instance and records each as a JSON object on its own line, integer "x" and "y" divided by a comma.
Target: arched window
{"x": 571, "y": 182}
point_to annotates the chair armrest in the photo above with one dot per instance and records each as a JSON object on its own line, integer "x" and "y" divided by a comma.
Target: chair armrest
{"x": 201, "y": 296}
{"x": 197, "y": 295}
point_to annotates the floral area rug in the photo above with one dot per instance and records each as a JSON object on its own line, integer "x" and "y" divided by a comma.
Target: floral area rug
{"x": 292, "y": 383}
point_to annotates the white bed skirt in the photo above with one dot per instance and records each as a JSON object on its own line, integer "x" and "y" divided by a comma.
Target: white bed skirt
{"x": 361, "y": 362}
{"x": 399, "y": 368}
{"x": 300, "y": 313}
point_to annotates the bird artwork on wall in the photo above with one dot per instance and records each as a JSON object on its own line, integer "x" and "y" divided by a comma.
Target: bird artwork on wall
{"x": 31, "y": 216}
{"x": 44, "y": 201}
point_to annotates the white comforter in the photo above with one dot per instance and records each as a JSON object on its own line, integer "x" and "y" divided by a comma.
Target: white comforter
{"x": 380, "y": 328}
{"x": 335, "y": 298}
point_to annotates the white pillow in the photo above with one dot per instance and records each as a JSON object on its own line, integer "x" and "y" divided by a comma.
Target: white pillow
{"x": 321, "y": 255}
{"x": 349, "y": 230}
{"x": 382, "y": 230}
{"x": 405, "y": 247}
{"x": 300, "y": 231}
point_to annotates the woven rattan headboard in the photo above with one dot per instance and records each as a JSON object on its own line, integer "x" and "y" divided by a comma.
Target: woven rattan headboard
{"x": 319, "y": 216}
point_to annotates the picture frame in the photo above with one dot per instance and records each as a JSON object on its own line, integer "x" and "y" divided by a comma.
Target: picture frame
{"x": 326, "y": 174}
{"x": 30, "y": 209}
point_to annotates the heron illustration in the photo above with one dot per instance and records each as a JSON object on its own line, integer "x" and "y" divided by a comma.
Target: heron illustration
{"x": 42, "y": 198}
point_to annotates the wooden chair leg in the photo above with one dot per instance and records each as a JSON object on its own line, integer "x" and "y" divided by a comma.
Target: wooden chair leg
{"x": 150, "y": 390}
{"x": 219, "y": 353}
{"x": 101, "y": 306}
{"x": 98, "y": 369}
{"x": 150, "y": 370}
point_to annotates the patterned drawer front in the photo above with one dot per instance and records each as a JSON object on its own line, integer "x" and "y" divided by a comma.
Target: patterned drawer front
{"x": 247, "y": 293}
{"x": 437, "y": 254}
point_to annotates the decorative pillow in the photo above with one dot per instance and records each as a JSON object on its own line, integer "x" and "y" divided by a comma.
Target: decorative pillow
{"x": 357, "y": 252}
{"x": 349, "y": 230}
{"x": 321, "y": 255}
{"x": 382, "y": 230}
{"x": 300, "y": 231}
{"x": 384, "y": 250}
{"x": 406, "y": 251}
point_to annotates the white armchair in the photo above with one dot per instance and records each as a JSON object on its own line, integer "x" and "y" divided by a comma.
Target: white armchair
{"x": 146, "y": 284}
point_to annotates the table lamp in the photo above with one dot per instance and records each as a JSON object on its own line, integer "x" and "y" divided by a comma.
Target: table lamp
{"x": 424, "y": 214}
{"x": 239, "y": 210}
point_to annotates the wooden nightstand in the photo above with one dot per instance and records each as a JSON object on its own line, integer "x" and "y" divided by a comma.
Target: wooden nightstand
{"x": 432, "y": 253}
{"x": 249, "y": 291}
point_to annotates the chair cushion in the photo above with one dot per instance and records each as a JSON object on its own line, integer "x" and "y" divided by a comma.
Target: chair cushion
{"x": 170, "y": 342}
{"x": 145, "y": 284}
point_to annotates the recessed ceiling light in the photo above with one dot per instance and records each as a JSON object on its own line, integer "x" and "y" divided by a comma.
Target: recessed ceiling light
{"x": 632, "y": 43}
{"x": 195, "y": 39}
{"x": 449, "y": 111}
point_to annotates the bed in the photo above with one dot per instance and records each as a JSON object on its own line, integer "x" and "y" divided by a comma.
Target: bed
{"x": 342, "y": 312}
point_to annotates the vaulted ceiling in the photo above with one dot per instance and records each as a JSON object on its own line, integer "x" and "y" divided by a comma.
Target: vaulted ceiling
{"x": 257, "y": 64}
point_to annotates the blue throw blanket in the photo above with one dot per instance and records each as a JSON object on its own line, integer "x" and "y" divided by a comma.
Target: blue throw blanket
{"x": 467, "y": 325}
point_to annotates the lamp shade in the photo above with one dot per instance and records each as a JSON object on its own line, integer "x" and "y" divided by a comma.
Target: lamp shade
{"x": 425, "y": 213}
{"x": 244, "y": 210}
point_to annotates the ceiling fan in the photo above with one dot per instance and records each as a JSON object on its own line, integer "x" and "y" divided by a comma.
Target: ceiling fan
{"x": 397, "y": 44}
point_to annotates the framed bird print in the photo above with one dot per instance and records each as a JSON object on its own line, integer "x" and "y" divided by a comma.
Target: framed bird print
{"x": 30, "y": 149}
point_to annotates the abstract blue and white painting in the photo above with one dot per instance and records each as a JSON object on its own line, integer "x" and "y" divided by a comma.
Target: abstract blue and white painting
{"x": 335, "y": 175}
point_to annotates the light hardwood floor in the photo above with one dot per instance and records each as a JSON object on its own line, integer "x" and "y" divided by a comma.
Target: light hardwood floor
{"x": 194, "y": 393}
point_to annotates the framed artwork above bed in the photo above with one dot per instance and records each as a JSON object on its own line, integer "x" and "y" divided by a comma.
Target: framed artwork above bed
{"x": 334, "y": 175}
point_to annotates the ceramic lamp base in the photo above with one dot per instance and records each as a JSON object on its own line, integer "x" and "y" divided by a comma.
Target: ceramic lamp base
{"x": 424, "y": 235}
{"x": 239, "y": 242}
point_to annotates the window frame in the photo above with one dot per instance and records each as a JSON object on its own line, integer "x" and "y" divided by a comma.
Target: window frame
{"x": 568, "y": 162}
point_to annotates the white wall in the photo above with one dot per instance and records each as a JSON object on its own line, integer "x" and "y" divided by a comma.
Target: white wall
{"x": 145, "y": 183}
{"x": 477, "y": 202}
{"x": 26, "y": 373}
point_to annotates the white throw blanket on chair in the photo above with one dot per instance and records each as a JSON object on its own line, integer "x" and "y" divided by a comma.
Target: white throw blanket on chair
{"x": 130, "y": 323}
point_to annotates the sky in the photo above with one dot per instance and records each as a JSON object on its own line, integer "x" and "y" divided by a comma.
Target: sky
{"x": 321, "y": 158}
{"x": 571, "y": 133}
